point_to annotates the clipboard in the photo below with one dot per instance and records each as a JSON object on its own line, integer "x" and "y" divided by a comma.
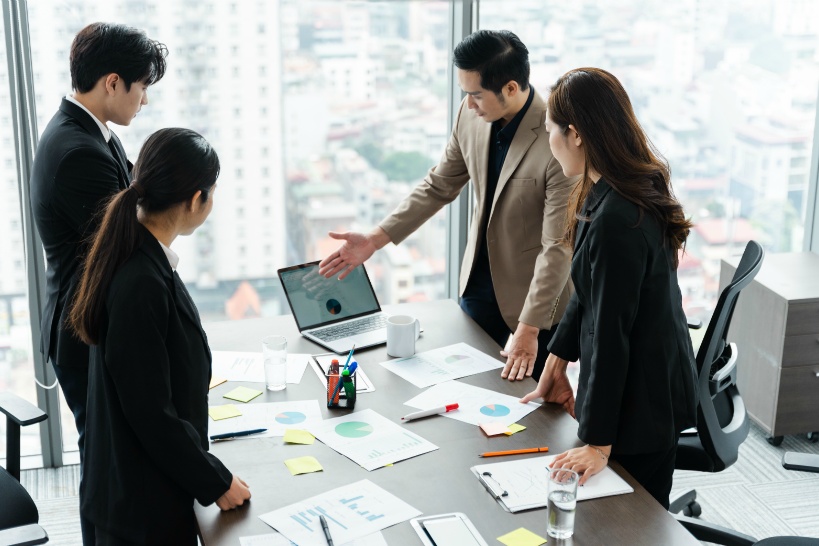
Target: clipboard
{"x": 321, "y": 363}
{"x": 453, "y": 529}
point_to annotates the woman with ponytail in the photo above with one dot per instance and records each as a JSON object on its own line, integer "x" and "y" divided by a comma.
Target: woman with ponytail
{"x": 625, "y": 322}
{"x": 146, "y": 457}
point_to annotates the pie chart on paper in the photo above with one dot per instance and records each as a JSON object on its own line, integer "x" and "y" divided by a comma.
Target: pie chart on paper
{"x": 354, "y": 429}
{"x": 495, "y": 410}
{"x": 290, "y": 417}
{"x": 458, "y": 359}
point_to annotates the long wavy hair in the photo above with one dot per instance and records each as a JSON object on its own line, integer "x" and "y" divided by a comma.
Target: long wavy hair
{"x": 595, "y": 103}
{"x": 173, "y": 165}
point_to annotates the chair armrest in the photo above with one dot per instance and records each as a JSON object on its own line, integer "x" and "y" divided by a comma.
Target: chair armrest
{"x": 25, "y": 535}
{"x": 711, "y": 532}
{"x": 20, "y": 411}
{"x": 694, "y": 324}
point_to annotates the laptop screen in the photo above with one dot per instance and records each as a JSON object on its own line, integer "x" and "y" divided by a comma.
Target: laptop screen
{"x": 316, "y": 300}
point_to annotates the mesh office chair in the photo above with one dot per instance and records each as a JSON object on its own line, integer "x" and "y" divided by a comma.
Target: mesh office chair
{"x": 716, "y": 534}
{"x": 722, "y": 422}
{"x": 19, "y": 516}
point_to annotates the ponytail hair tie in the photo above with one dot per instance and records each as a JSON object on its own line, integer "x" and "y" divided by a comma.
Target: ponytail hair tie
{"x": 140, "y": 191}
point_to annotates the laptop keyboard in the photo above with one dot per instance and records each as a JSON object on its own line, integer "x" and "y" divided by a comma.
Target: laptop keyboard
{"x": 353, "y": 327}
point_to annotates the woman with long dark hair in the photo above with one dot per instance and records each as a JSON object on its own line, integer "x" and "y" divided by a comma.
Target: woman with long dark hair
{"x": 625, "y": 322}
{"x": 146, "y": 457}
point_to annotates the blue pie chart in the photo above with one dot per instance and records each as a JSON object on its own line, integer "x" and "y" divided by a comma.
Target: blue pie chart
{"x": 495, "y": 410}
{"x": 290, "y": 417}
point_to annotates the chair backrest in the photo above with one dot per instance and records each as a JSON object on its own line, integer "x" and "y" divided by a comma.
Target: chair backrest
{"x": 722, "y": 419}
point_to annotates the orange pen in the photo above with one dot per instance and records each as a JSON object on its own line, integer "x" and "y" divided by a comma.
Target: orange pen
{"x": 514, "y": 452}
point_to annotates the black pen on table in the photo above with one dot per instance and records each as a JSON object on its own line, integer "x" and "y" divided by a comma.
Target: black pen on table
{"x": 229, "y": 435}
{"x": 326, "y": 530}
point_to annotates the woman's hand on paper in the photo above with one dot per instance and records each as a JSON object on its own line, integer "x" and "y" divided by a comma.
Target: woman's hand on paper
{"x": 554, "y": 385}
{"x": 586, "y": 461}
{"x": 235, "y": 496}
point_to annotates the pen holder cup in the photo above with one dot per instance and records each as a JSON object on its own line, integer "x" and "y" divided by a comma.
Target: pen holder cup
{"x": 337, "y": 395}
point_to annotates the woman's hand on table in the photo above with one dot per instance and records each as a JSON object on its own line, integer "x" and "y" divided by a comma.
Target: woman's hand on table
{"x": 554, "y": 385}
{"x": 586, "y": 461}
{"x": 235, "y": 496}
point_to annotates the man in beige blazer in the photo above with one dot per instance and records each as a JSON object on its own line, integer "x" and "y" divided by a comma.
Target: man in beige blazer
{"x": 515, "y": 271}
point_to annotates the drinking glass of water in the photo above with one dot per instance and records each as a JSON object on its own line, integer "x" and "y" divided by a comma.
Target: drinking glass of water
{"x": 274, "y": 351}
{"x": 562, "y": 502}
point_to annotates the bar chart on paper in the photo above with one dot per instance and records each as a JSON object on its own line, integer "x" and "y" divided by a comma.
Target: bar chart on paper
{"x": 351, "y": 511}
{"x": 370, "y": 439}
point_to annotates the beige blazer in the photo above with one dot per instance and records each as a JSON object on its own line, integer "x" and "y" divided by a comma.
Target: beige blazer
{"x": 529, "y": 264}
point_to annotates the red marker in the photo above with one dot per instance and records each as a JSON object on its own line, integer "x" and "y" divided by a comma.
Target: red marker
{"x": 427, "y": 413}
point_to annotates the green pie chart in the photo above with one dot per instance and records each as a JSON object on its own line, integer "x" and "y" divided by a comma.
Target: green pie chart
{"x": 354, "y": 429}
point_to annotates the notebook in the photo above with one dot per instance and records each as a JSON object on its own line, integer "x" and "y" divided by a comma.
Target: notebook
{"x": 335, "y": 314}
{"x": 522, "y": 484}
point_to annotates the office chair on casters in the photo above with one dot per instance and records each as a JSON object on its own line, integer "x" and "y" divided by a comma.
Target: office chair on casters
{"x": 19, "y": 516}
{"x": 722, "y": 422}
{"x": 716, "y": 534}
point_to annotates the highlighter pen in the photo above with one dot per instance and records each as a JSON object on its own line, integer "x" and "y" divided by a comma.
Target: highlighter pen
{"x": 427, "y": 413}
{"x": 347, "y": 381}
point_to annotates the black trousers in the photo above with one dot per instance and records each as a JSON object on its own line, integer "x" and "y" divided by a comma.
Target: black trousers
{"x": 480, "y": 304}
{"x": 654, "y": 471}
{"x": 74, "y": 384}
{"x": 104, "y": 538}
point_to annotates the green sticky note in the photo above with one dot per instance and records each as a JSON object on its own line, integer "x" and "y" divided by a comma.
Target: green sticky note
{"x": 217, "y": 413}
{"x": 522, "y": 537}
{"x": 242, "y": 394}
{"x": 303, "y": 465}
{"x": 296, "y": 436}
{"x": 513, "y": 428}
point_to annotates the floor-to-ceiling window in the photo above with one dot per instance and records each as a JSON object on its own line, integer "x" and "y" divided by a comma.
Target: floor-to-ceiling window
{"x": 725, "y": 89}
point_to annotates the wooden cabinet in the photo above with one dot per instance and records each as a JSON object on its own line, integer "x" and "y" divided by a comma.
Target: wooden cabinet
{"x": 776, "y": 329}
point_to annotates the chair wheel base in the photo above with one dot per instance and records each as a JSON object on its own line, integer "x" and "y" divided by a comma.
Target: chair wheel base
{"x": 813, "y": 437}
{"x": 776, "y": 440}
{"x": 692, "y": 510}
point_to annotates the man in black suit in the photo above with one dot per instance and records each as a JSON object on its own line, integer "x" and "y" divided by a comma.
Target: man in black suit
{"x": 79, "y": 164}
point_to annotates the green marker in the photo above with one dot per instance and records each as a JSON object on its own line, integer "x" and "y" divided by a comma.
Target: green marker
{"x": 349, "y": 386}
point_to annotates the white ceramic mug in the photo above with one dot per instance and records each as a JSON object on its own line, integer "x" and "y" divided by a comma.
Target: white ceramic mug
{"x": 402, "y": 331}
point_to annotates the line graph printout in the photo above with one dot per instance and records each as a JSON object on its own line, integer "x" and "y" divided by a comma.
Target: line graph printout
{"x": 370, "y": 439}
{"x": 442, "y": 364}
{"x": 476, "y": 406}
{"x": 276, "y": 417}
{"x": 249, "y": 366}
{"x": 352, "y": 512}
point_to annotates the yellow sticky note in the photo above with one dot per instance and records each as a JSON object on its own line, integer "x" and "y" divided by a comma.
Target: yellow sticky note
{"x": 493, "y": 429}
{"x": 513, "y": 428}
{"x": 242, "y": 394}
{"x": 216, "y": 381}
{"x": 522, "y": 537}
{"x": 217, "y": 413}
{"x": 296, "y": 436}
{"x": 303, "y": 465}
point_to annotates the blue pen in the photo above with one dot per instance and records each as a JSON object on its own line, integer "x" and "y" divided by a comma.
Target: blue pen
{"x": 349, "y": 356}
{"x": 229, "y": 435}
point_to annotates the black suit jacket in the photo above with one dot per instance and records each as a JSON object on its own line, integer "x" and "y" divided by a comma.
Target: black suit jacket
{"x": 626, "y": 325}
{"x": 146, "y": 447}
{"x": 74, "y": 172}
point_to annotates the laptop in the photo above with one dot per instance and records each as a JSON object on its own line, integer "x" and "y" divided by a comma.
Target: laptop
{"x": 335, "y": 314}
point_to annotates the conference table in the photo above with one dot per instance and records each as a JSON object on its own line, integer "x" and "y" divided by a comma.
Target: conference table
{"x": 435, "y": 483}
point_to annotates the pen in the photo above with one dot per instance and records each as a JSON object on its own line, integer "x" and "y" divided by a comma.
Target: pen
{"x": 229, "y": 435}
{"x": 427, "y": 413}
{"x": 337, "y": 389}
{"x": 349, "y": 356}
{"x": 326, "y": 530}
{"x": 514, "y": 452}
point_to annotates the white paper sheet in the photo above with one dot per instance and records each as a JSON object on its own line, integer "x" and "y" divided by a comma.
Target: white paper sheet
{"x": 370, "y": 439}
{"x": 352, "y": 511}
{"x": 278, "y": 539}
{"x": 526, "y": 482}
{"x": 475, "y": 405}
{"x": 249, "y": 367}
{"x": 443, "y": 364}
{"x": 276, "y": 417}
{"x": 321, "y": 363}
